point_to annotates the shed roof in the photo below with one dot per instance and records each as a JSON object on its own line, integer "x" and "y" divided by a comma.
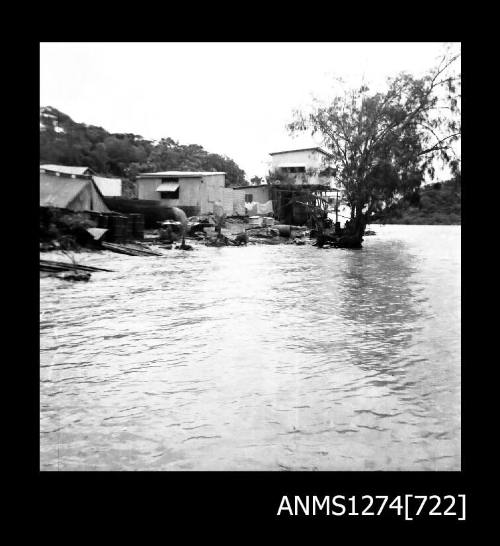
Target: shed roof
{"x": 249, "y": 187}
{"x": 62, "y": 191}
{"x": 66, "y": 169}
{"x": 301, "y": 187}
{"x": 178, "y": 174}
{"x": 317, "y": 148}
{"x": 98, "y": 179}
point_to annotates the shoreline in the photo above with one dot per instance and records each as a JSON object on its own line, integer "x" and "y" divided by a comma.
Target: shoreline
{"x": 409, "y": 223}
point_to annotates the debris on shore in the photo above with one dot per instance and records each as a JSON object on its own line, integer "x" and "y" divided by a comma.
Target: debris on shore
{"x": 131, "y": 249}
{"x": 68, "y": 271}
{"x": 66, "y": 231}
{"x": 74, "y": 276}
{"x": 50, "y": 265}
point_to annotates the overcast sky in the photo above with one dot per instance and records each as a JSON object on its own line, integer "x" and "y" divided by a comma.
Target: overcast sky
{"x": 232, "y": 98}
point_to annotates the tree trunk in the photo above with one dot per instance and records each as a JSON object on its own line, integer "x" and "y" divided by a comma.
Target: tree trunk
{"x": 353, "y": 236}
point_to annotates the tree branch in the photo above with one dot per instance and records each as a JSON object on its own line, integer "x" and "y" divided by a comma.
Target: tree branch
{"x": 437, "y": 145}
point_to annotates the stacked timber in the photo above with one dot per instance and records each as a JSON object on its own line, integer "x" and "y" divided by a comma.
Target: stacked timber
{"x": 130, "y": 249}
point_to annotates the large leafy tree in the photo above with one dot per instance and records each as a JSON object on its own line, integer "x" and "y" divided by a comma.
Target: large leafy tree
{"x": 384, "y": 143}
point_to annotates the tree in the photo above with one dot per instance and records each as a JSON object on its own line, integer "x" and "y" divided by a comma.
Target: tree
{"x": 256, "y": 180}
{"x": 384, "y": 143}
{"x": 124, "y": 154}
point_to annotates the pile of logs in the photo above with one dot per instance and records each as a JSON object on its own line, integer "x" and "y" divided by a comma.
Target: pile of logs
{"x": 136, "y": 249}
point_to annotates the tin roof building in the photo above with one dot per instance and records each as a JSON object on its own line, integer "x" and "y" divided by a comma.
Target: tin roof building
{"x": 70, "y": 191}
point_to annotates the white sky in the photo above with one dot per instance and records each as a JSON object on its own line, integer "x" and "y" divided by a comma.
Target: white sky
{"x": 232, "y": 98}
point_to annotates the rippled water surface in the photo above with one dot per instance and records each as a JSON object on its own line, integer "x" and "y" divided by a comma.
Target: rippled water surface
{"x": 260, "y": 358}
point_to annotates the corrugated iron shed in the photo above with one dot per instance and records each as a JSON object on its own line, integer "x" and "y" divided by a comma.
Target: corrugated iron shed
{"x": 66, "y": 169}
{"x": 75, "y": 194}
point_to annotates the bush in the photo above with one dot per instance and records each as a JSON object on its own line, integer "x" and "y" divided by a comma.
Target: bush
{"x": 75, "y": 221}
{"x": 427, "y": 203}
{"x": 69, "y": 228}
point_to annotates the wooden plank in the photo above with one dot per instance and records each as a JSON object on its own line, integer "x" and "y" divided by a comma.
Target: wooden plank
{"x": 122, "y": 249}
{"x": 69, "y": 265}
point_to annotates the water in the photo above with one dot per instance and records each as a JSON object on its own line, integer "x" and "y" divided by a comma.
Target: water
{"x": 257, "y": 358}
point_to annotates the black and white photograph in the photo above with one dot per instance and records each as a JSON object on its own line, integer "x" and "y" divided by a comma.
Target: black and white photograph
{"x": 250, "y": 256}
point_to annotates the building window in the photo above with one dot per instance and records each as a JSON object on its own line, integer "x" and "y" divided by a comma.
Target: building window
{"x": 170, "y": 194}
{"x": 294, "y": 170}
{"x": 248, "y": 198}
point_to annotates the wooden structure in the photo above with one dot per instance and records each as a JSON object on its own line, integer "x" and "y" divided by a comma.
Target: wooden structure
{"x": 300, "y": 204}
{"x": 302, "y": 166}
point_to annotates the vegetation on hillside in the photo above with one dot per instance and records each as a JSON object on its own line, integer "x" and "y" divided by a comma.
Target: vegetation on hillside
{"x": 65, "y": 142}
{"x": 438, "y": 203}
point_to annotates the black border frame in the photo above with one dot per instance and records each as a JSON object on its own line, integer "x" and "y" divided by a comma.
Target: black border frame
{"x": 246, "y": 497}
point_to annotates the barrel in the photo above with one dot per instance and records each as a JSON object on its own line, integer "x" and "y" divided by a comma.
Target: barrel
{"x": 121, "y": 228}
{"x": 103, "y": 221}
{"x": 137, "y": 221}
{"x": 284, "y": 229}
{"x": 255, "y": 220}
{"x": 117, "y": 226}
{"x": 93, "y": 216}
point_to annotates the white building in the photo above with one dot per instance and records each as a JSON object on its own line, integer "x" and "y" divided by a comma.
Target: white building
{"x": 48, "y": 119}
{"x": 194, "y": 192}
{"x": 302, "y": 166}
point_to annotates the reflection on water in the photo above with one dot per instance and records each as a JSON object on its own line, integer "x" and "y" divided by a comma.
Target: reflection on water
{"x": 258, "y": 358}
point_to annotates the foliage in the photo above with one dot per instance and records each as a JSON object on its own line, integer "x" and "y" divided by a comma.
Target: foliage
{"x": 256, "y": 180}
{"x": 278, "y": 175}
{"x": 67, "y": 227}
{"x": 438, "y": 203}
{"x": 383, "y": 144}
{"x": 124, "y": 154}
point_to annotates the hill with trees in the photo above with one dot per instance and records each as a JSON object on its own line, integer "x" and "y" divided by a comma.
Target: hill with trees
{"x": 438, "y": 203}
{"x": 66, "y": 142}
